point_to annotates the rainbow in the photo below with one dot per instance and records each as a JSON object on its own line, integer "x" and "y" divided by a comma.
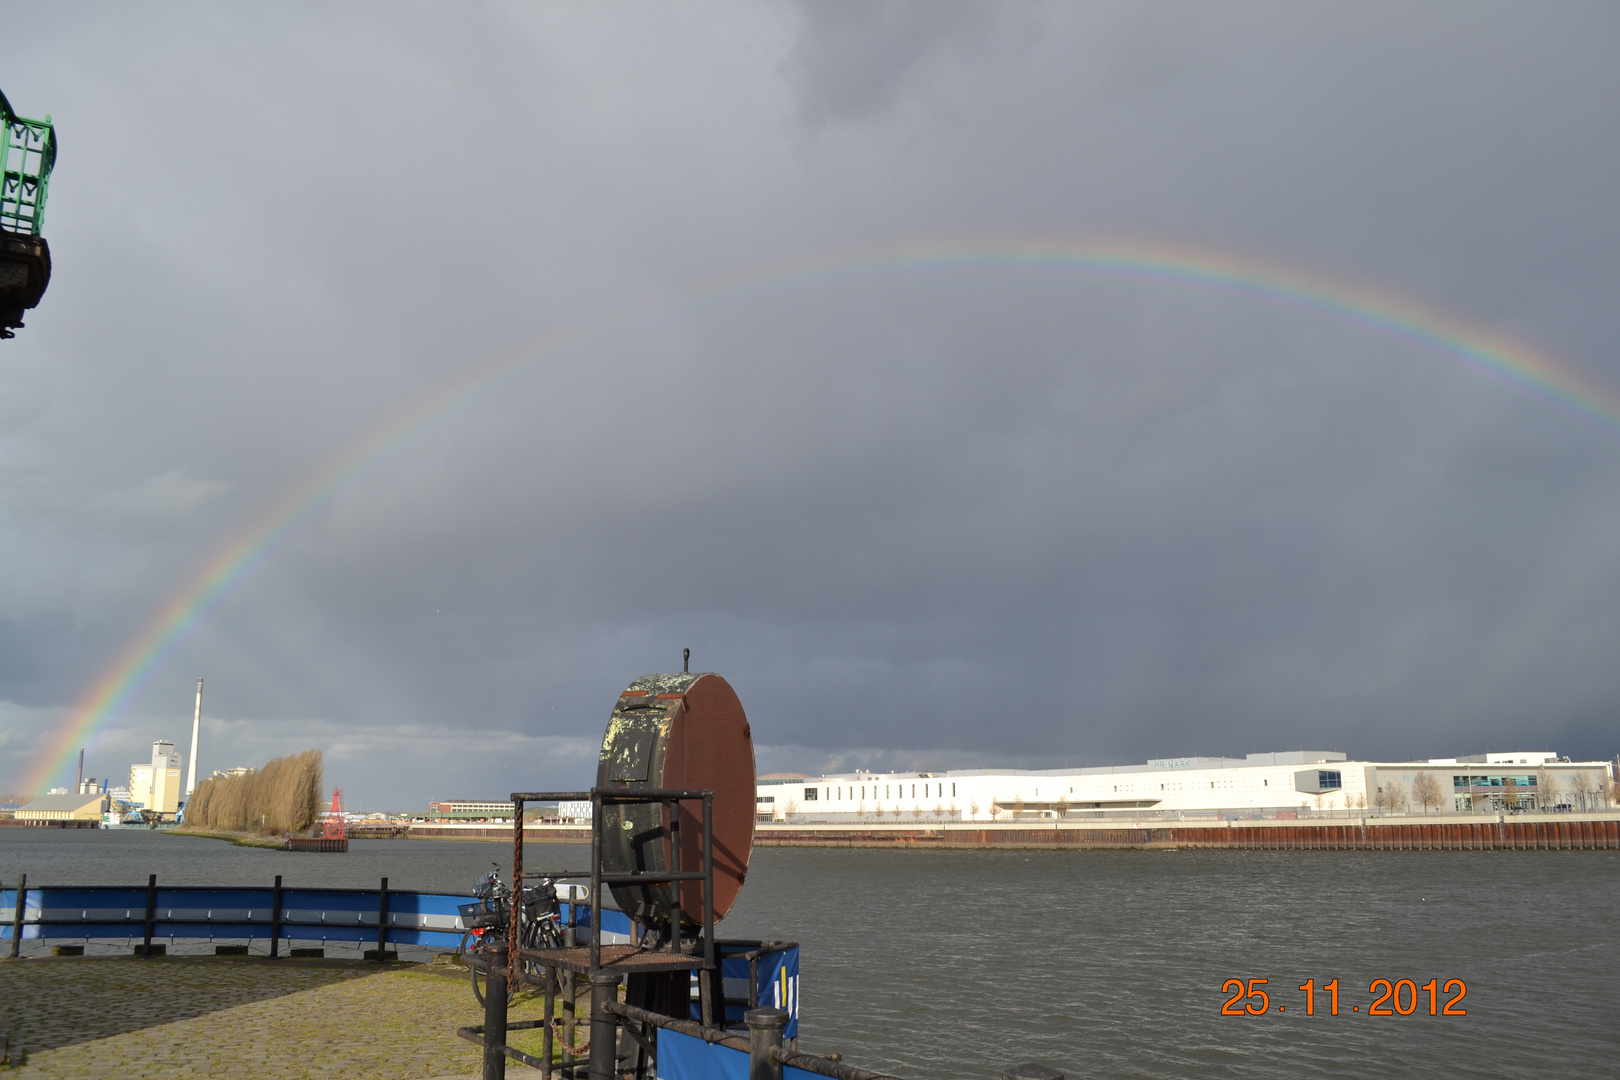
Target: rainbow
{"x": 1469, "y": 345}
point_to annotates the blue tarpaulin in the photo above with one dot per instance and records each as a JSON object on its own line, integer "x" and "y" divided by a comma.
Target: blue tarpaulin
{"x": 684, "y": 1057}
{"x": 778, "y": 987}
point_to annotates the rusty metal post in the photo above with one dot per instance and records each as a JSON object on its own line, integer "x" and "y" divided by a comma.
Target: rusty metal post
{"x": 570, "y": 994}
{"x": 151, "y": 913}
{"x": 275, "y": 920}
{"x": 514, "y": 931}
{"x": 546, "y": 1034}
{"x": 17, "y": 914}
{"x": 596, "y": 884}
{"x": 495, "y": 1014}
{"x": 382, "y": 922}
{"x": 764, "y": 1035}
{"x": 604, "y": 1026}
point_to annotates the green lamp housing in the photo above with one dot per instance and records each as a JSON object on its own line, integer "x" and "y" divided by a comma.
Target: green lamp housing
{"x": 27, "y": 155}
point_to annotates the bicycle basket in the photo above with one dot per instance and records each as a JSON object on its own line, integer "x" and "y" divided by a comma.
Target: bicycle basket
{"x": 485, "y": 914}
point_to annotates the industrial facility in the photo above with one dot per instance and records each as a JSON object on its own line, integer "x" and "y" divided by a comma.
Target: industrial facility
{"x": 84, "y": 806}
{"x": 1289, "y": 784}
{"x": 155, "y": 785}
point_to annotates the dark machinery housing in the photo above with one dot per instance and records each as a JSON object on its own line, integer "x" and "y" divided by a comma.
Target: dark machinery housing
{"x": 672, "y": 829}
{"x": 27, "y": 155}
{"x": 677, "y": 731}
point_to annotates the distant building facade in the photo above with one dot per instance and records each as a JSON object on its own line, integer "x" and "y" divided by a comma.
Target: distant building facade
{"x": 467, "y": 810}
{"x": 574, "y": 813}
{"x": 155, "y": 785}
{"x": 65, "y": 807}
{"x": 1267, "y": 785}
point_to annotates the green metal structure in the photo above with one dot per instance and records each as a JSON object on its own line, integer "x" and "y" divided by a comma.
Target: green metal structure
{"x": 27, "y": 155}
{"x": 26, "y": 158}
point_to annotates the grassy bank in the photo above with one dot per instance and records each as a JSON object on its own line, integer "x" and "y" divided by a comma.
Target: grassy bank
{"x": 240, "y": 839}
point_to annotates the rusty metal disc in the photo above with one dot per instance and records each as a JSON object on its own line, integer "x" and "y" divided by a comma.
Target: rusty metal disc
{"x": 678, "y": 731}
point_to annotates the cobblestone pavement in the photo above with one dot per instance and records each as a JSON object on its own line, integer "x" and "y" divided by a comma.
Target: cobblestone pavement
{"x": 244, "y": 1019}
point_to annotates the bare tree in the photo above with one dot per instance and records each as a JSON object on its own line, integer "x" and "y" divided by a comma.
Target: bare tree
{"x": 1018, "y": 808}
{"x": 1548, "y": 788}
{"x": 1062, "y": 807}
{"x": 1390, "y": 796}
{"x": 896, "y": 811}
{"x": 939, "y": 810}
{"x": 790, "y": 808}
{"x": 860, "y": 811}
{"x": 995, "y": 810}
{"x": 973, "y": 806}
{"x": 1426, "y": 790}
{"x": 1581, "y": 786}
{"x": 1605, "y": 791}
{"x": 1510, "y": 793}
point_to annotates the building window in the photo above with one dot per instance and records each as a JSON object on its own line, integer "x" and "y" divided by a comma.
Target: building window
{"x": 953, "y": 791}
{"x": 1328, "y": 781}
{"x": 812, "y": 794}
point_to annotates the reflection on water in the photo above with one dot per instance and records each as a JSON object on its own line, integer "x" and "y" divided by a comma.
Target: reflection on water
{"x": 1104, "y": 964}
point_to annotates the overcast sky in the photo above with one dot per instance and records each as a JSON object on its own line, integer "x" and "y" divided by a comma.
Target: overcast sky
{"x": 946, "y": 515}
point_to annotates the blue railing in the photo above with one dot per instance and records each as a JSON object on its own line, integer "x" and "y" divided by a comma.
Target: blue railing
{"x": 150, "y": 912}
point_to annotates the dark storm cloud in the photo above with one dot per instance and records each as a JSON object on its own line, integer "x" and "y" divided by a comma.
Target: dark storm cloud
{"x": 944, "y": 515}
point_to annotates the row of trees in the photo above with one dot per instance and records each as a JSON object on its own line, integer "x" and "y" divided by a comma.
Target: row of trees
{"x": 284, "y": 796}
{"x": 917, "y": 810}
{"x": 1584, "y": 792}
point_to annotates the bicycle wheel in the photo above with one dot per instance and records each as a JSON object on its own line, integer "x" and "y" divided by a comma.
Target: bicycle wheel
{"x": 474, "y": 952}
{"x": 480, "y": 951}
{"x": 538, "y": 975}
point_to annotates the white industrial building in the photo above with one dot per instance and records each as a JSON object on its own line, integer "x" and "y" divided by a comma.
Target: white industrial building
{"x": 1294, "y": 783}
{"x": 155, "y": 785}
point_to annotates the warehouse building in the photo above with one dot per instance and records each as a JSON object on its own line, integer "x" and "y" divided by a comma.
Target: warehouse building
{"x": 1290, "y": 784}
{"x": 88, "y": 807}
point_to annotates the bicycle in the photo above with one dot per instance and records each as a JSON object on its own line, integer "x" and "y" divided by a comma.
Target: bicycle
{"x": 488, "y": 923}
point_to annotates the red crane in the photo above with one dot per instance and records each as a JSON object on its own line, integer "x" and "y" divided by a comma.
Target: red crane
{"x": 336, "y": 826}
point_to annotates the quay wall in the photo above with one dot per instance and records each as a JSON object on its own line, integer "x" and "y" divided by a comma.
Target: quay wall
{"x": 1560, "y": 832}
{"x": 1523, "y": 832}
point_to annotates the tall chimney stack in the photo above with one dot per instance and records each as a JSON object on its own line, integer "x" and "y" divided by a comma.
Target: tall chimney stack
{"x": 196, "y": 727}
{"x": 78, "y": 785}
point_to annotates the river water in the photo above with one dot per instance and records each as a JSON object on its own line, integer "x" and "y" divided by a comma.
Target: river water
{"x": 1102, "y": 964}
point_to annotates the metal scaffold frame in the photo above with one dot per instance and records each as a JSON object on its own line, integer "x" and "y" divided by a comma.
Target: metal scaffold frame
{"x": 27, "y": 155}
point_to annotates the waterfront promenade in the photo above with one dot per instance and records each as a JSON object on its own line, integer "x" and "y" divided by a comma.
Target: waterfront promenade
{"x": 193, "y": 1017}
